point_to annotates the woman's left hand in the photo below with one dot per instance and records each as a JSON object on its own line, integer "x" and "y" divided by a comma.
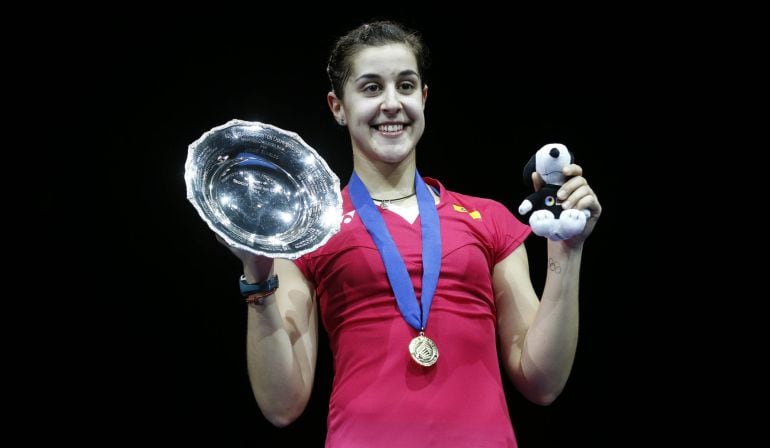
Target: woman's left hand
{"x": 577, "y": 194}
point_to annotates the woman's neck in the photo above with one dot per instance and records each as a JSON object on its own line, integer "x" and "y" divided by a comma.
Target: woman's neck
{"x": 384, "y": 180}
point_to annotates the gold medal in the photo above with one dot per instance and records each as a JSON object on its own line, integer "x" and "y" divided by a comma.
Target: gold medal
{"x": 423, "y": 350}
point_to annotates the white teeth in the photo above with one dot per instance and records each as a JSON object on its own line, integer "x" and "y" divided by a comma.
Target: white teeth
{"x": 390, "y": 127}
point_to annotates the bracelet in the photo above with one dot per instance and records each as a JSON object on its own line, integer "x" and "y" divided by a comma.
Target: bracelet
{"x": 247, "y": 289}
{"x": 258, "y": 298}
{"x": 255, "y": 293}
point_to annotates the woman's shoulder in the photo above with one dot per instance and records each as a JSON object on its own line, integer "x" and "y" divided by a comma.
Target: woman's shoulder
{"x": 467, "y": 201}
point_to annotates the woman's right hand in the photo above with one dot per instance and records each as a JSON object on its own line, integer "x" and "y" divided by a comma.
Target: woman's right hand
{"x": 256, "y": 268}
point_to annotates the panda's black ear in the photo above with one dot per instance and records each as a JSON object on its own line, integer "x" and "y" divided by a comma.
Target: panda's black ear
{"x": 529, "y": 168}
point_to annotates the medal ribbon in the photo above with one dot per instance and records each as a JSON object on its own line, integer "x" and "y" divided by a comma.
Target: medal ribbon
{"x": 394, "y": 264}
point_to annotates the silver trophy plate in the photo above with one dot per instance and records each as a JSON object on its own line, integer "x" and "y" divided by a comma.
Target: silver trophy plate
{"x": 263, "y": 189}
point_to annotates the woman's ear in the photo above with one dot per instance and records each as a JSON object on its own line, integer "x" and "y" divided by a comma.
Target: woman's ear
{"x": 335, "y": 105}
{"x": 424, "y": 95}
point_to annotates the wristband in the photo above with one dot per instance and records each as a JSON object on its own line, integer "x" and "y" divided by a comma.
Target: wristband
{"x": 269, "y": 285}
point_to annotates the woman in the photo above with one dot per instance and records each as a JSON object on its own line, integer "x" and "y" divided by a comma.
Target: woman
{"x": 417, "y": 288}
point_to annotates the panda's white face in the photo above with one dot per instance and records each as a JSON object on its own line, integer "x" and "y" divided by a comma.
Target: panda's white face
{"x": 549, "y": 161}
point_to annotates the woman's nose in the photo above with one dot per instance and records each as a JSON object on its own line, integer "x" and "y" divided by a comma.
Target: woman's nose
{"x": 391, "y": 103}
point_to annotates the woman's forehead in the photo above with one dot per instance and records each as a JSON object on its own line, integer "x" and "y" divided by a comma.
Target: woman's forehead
{"x": 391, "y": 59}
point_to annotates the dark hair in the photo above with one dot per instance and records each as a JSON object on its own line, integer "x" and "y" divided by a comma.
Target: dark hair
{"x": 372, "y": 34}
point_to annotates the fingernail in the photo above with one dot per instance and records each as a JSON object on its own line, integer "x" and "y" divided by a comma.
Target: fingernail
{"x": 566, "y": 205}
{"x": 561, "y": 194}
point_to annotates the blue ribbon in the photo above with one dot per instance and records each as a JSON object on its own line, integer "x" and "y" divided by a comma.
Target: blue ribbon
{"x": 394, "y": 264}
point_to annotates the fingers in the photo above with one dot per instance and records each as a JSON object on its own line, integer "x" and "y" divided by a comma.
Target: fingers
{"x": 576, "y": 193}
{"x": 257, "y": 265}
{"x": 591, "y": 203}
{"x": 572, "y": 194}
{"x": 572, "y": 170}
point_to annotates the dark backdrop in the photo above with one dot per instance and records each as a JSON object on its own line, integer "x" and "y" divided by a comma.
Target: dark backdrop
{"x": 501, "y": 85}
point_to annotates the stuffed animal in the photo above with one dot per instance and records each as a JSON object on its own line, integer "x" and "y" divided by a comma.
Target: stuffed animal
{"x": 548, "y": 218}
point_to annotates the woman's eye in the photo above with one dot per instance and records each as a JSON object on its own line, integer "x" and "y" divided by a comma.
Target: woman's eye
{"x": 371, "y": 88}
{"x": 408, "y": 86}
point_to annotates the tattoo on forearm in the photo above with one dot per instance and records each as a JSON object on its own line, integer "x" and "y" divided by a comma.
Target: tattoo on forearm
{"x": 554, "y": 266}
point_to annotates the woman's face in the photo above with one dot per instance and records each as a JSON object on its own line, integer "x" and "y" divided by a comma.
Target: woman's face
{"x": 384, "y": 103}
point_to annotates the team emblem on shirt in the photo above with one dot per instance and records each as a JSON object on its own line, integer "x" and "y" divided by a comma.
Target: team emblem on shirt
{"x": 474, "y": 214}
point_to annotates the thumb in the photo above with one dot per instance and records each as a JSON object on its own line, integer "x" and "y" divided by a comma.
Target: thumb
{"x": 537, "y": 181}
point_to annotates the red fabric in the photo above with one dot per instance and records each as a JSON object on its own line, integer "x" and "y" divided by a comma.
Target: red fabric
{"x": 380, "y": 396}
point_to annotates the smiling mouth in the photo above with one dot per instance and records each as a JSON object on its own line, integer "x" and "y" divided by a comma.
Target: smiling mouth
{"x": 389, "y": 128}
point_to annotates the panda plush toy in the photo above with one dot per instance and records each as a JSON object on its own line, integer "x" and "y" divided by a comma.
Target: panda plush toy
{"x": 548, "y": 218}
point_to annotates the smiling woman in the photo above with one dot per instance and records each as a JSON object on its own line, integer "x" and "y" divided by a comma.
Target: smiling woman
{"x": 416, "y": 297}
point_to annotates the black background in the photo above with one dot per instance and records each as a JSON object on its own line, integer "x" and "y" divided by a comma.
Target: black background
{"x": 501, "y": 85}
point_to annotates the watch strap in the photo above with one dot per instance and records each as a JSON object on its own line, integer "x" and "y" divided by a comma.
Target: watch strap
{"x": 270, "y": 284}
